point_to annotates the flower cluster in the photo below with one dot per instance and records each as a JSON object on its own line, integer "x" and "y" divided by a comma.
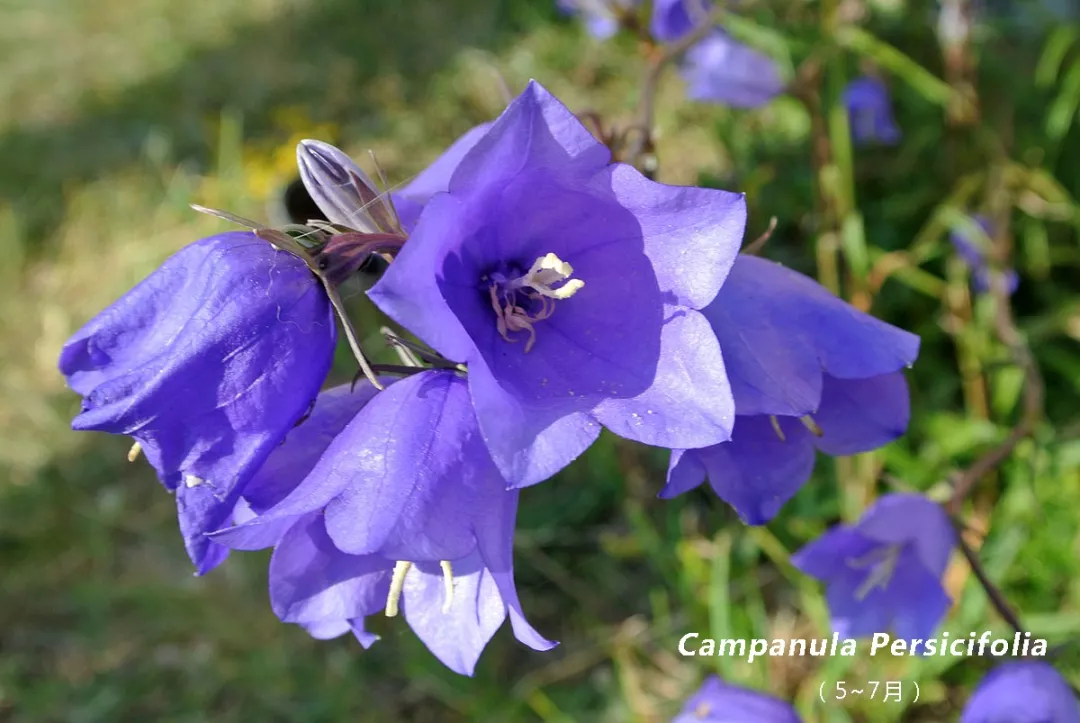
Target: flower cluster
{"x": 554, "y": 293}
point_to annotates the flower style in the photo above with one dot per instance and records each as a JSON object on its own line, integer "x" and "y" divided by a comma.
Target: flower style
{"x": 886, "y": 569}
{"x": 570, "y": 287}
{"x": 808, "y": 371}
{"x": 208, "y": 363}
{"x": 720, "y": 70}
{"x": 602, "y": 17}
{"x": 672, "y": 19}
{"x": 720, "y": 702}
{"x": 870, "y": 112}
{"x": 1022, "y": 692}
{"x": 402, "y": 511}
{"x": 971, "y": 248}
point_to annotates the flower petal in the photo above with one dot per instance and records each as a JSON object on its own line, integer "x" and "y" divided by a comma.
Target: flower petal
{"x": 912, "y": 518}
{"x": 435, "y": 178}
{"x": 689, "y": 402}
{"x": 720, "y": 702}
{"x": 691, "y": 235}
{"x": 496, "y": 547}
{"x": 528, "y": 444}
{"x": 1022, "y": 691}
{"x": 535, "y": 130}
{"x": 720, "y": 70}
{"x": 685, "y": 472}
{"x": 311, "y": 581}
{"x": 858, "y": 415}
{"x": 458, "y": 636}
{"x": 757, "y": 472}
{"x": 780, "y": 329}
{"x": 919, "y": 602}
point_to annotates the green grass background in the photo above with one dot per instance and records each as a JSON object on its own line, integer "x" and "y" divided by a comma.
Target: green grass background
{"x": 115, "y": 116}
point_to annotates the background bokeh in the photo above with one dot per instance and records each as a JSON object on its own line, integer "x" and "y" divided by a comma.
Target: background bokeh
{"x": 114, "y": 116}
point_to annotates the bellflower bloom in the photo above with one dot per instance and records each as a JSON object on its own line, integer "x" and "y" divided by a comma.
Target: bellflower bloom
{"x": 208, "y": 363}
{"x": 571, "y": 288}
{"x": 720, "y": 70}
{"x": 886, "y": 569}
{"x": 972, "y": 251}
{"x": 720, "y": 702}
{"x": 672, "y": 19}
{"x": 403, "y": 510}
{"x": 870, "y": 113}
{"x": 601, "y": 16}
{"x": 1022, "y": 692}
{"x": 808, "y": 372}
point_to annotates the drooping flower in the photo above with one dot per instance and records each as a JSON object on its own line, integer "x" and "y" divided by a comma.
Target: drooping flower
{"x": 671, "y": 19}
{"x": 570, "y": 287}
{"x": 602, "y": 17}
{"x": 208, "y": 363}
{"x": 1022, "y": 692}
{"x": 808, "y": 372}
{"x": 870, "y": 112}
{"x": 719, "y": 69}
{"x": 886, "y": 569}
{"x": 720, "y": 702}
{"x": 972, "y": 249}
{"x": 404, "y": 509}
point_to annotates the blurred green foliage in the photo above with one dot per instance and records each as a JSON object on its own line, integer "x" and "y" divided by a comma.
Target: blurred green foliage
{"x": 115, "y": 116}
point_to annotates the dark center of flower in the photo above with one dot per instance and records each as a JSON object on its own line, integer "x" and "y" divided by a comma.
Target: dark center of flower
{"x": 519, "y": 300}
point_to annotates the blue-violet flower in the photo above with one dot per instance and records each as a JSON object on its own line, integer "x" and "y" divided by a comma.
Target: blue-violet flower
{"x": 870, "y": 113}
{"x": 208, "y": 363}
{"x": 570, "y": 286}
{"x": 972, "y": 249}
{"x": 808, "y": 371}
{"x": 1022, "y": 692}
{"x": 886, "y": 569}
{"x": 404, "y": 510}
{"x": 719, "y": 69}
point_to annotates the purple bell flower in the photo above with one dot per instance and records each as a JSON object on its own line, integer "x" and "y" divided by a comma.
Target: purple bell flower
{"x": 721, "y": 70}
{"x": 808, "y": 372}
{"x": 720, "y": 702}
{"x": 886, "y": 569}
{"x": 570, "y": 287}
{"x": 870, "y": 113}
{"x": 601, "y": 16}
{"x": 1022, "y": 692}
{"x": 972, "y": 252}
{"x": 402, "y": 510}
{"x": 672, "y": 19}
{"x": 208, "y": 363}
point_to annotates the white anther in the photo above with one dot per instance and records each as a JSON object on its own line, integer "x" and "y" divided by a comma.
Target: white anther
{"x": 448, "y": 584}
{"x": 192, "y": 481}
{"x": 134, "y": 452}
{"x": 776, "y": 427}
{"x": 548, "y": 270}
{"x": 810, "y": 424}
{"x": 397, "y": 584}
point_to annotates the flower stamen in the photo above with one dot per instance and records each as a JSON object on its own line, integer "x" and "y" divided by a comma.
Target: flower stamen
{"x": 397, "y": 584}
{"x": 776, "y": 427}
{"x": 537, "y": 286}
{"x": 882, "y": 563}
{"x": 448, "y": 584}
{"x": 134, "y": 452}
{"x": 810, "y": 424}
